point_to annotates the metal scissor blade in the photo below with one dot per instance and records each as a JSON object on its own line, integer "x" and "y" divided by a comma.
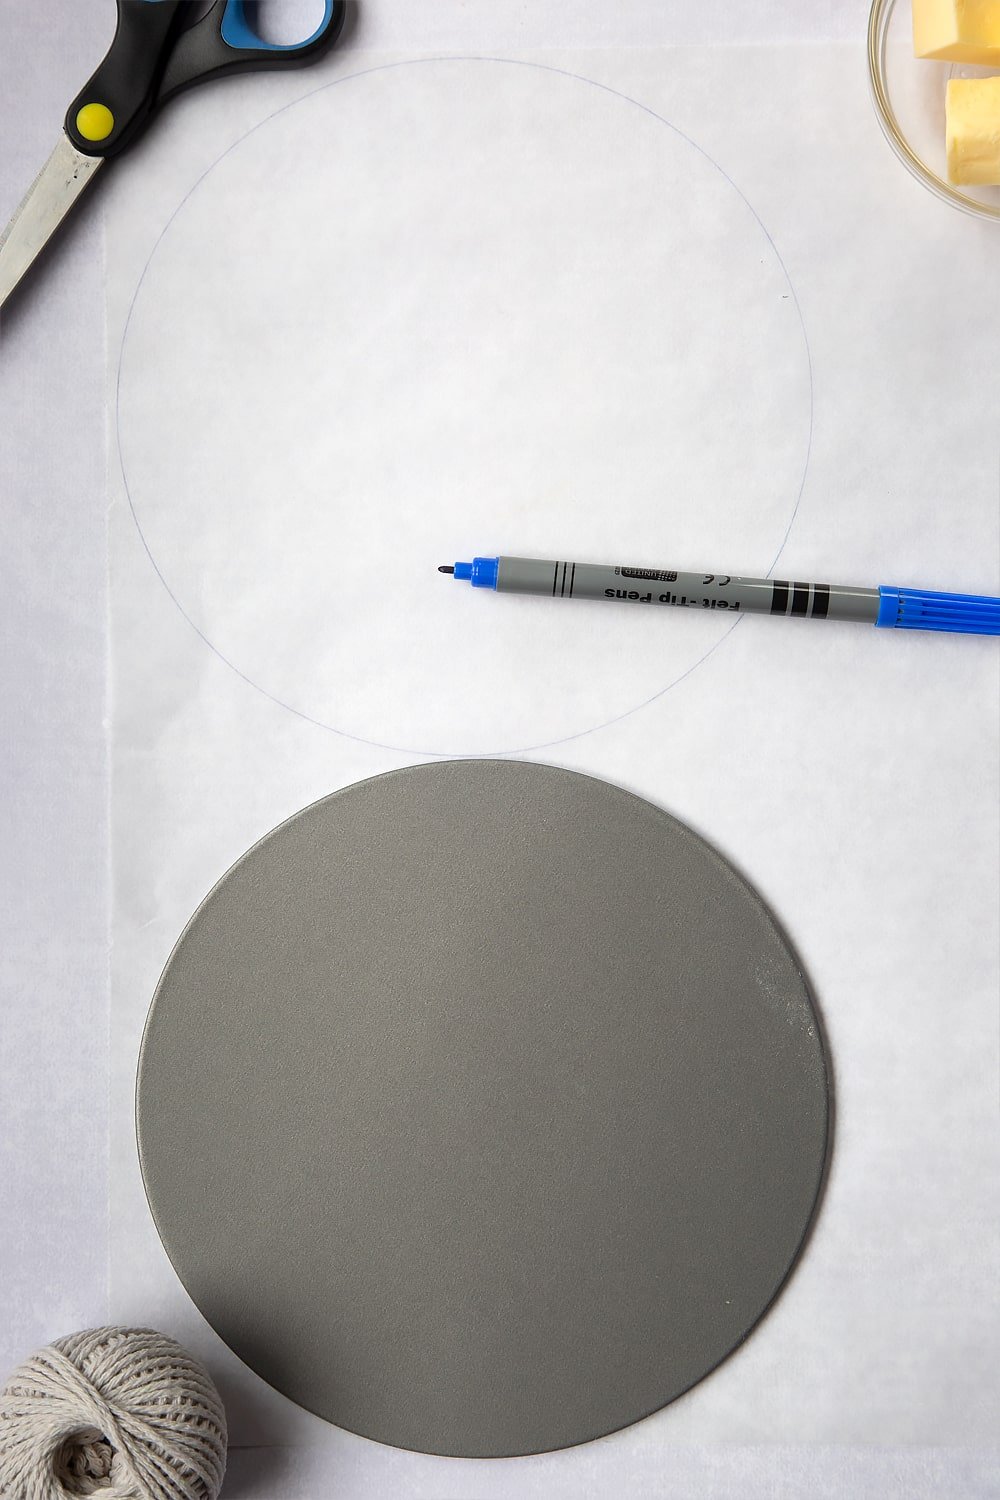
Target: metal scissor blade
{"x": 45, "y": 205}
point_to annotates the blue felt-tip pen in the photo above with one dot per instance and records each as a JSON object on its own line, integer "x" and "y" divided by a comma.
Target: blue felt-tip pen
{"x": 899, "y": 608}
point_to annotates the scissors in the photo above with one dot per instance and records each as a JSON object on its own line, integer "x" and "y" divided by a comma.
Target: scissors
{"x": 160, "y": 47}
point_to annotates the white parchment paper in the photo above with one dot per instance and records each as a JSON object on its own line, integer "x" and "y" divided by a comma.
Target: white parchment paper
{"x": 678, "y": 307}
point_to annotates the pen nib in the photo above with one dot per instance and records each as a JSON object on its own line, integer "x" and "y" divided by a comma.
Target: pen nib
{"x": 444, "y": 568}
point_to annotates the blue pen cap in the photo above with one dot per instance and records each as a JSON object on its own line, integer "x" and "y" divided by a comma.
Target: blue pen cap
{"x": 920, "y": 609}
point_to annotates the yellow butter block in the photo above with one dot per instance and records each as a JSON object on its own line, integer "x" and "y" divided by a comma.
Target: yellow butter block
{"x": 972, "y": 127}
{"x": 958, "y": 30}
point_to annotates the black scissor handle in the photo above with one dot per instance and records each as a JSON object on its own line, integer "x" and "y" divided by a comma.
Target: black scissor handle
{"x": 112, "y": 109}
{"x": 223, "y": 42}
{"x": 154, "y": 56}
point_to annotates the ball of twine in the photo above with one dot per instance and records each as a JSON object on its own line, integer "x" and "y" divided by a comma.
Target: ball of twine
{"x": 121, "y": 1413}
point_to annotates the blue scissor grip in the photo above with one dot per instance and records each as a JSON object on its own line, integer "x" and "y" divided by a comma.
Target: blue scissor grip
{"x": 239, "y": 34}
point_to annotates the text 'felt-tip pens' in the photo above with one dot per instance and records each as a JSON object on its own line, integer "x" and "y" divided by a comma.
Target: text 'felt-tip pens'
{"x": 906, "y": 609}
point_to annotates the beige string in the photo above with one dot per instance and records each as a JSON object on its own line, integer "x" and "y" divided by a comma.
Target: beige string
{"x": 120, "y": 1413}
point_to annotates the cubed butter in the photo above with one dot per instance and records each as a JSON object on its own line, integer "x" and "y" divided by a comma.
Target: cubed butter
{"x": 958, "y": 30}
{"x": 972, "y": 125}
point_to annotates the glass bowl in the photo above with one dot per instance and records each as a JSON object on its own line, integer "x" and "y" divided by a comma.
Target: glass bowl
{"x": 908, "y": 93}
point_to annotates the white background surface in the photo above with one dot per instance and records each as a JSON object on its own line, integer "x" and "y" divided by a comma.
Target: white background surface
{"x": 914, "y": 1042}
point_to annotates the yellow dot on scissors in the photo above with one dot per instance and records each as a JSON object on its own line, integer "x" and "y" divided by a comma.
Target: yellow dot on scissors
{"x": 95, "y": 122}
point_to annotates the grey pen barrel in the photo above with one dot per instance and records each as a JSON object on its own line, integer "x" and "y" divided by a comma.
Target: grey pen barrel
{"x": 721, "y": 592}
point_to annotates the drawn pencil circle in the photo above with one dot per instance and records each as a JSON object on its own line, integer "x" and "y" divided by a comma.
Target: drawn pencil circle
{"x": 550, "y": 323}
